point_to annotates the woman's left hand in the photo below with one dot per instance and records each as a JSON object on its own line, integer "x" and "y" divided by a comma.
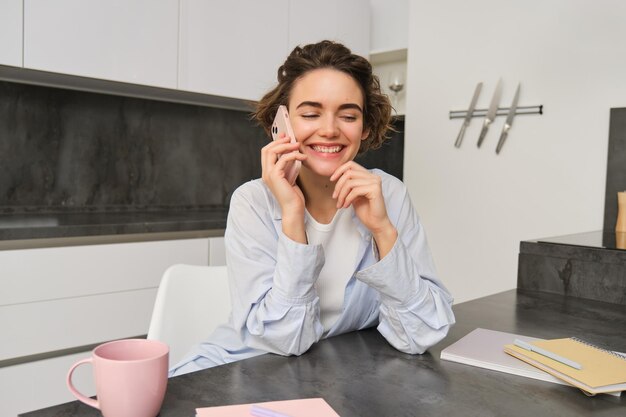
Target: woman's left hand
{"x": 362, "y": 189}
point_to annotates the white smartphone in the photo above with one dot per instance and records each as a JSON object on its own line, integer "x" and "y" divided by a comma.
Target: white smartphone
{"x": 281, "y": 125}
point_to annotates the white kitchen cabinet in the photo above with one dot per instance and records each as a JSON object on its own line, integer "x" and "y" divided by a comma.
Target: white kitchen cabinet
{"x": 346, "y": 21}
{"x": 217, "y": 251}
{"x": 232, "y": 48}
{"x": 389, "y": 25}
{"x": 60, "y": 298}
{"x": 11, "y": 32}
{"x": 41, "y": 384}
{"x": 133, "y": 41}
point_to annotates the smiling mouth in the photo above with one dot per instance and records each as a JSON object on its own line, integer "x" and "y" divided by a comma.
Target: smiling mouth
{"x": 327, "y": 149}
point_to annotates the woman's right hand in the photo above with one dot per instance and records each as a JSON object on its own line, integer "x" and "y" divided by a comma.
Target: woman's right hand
{"x": 274, "y": 157}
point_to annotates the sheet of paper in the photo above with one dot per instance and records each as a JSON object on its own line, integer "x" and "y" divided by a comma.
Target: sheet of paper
{"x": 308, "y": 407}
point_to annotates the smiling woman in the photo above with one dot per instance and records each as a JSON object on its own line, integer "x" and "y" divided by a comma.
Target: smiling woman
{"x": 342, "y": 249}
{"x": 328, "y": 128}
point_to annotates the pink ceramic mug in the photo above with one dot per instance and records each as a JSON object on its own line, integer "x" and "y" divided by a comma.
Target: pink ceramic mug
{"x": 130, "y": 375}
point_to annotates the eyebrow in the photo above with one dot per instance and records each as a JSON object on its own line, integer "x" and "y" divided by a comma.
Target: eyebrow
{"x": 341, "y": 107}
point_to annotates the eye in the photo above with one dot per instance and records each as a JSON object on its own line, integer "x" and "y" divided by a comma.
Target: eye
{"x": 349, "y": 118}
{"x": 310, "y": 115}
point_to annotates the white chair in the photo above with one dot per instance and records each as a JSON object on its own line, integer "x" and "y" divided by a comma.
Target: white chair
{"x": 190, "y": 303}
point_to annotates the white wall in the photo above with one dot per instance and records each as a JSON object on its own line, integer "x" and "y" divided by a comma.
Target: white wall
{"x": 549, "y": 178}
{"x": 389, "y": 38}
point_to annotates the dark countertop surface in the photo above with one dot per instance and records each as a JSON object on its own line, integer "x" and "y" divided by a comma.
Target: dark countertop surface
{"x": 359, "y": 374}
{"x": 598, "y": 246}
{"x": 62, "y": 225}
{"x": 597, "y": 239}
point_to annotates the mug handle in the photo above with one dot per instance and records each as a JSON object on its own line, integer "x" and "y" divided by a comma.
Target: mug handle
{"x": 89, "y": 401}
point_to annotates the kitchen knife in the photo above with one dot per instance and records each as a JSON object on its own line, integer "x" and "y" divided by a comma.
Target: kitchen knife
{"x": 468, "y": 115}
{"x": 491, "y": 112}
{"x": 509, "y": 121}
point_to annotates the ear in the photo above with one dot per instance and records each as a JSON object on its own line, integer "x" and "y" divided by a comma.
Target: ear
{"x": 365, "y": 134}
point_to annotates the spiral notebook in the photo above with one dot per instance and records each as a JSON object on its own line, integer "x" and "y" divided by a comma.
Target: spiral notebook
{"x": 603, "y": 371}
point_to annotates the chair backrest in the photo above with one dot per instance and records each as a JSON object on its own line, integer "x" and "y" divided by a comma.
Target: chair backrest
{"x": 190, "y": 303}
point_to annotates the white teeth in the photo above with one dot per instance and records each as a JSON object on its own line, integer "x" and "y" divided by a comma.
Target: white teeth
{"x": 327, "y": 149}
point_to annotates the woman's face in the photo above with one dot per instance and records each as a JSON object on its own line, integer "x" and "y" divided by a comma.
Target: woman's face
{"x": 326, "y": 113}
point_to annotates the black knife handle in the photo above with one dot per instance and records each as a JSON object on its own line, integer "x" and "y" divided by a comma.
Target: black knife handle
{"x": 459, "y": 138}
{"x": 483, "y": 133}
{"x": 501, "y": 141}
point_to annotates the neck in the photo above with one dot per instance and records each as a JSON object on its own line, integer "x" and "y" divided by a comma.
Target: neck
{"x": 318, "y": 196}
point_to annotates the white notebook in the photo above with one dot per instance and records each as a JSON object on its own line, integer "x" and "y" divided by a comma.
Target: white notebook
{"x": 485, "y": 349}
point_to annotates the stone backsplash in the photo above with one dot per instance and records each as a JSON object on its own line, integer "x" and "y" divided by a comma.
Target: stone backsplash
{"x": 66, "y": 150}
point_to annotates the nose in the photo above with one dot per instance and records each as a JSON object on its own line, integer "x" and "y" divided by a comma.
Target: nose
{"x": 328, "y": 127}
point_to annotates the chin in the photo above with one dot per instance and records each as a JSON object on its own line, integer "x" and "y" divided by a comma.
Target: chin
{"x": 323, "y": 170}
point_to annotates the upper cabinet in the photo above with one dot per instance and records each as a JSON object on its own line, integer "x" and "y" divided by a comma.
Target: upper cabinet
{"x": 346, "y": 21}
{"x": 120, "y": 40}
{"x": 11, "y": 32}
{"x": 232, "y": 48}
{"x": 224, "y": 48}
{"x": 389, "y": 25}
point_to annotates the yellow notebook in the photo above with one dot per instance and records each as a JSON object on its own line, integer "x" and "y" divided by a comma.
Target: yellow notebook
{"x": 603, "y": 371}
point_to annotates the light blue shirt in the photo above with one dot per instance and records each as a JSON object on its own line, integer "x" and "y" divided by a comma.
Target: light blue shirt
{"x": 275, "y": 307}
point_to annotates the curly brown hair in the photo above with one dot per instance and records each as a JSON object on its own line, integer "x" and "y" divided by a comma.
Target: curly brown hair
{"x": 329, "y": 54}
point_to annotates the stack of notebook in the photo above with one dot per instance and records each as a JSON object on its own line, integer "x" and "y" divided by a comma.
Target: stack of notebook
{"x": 602, "y": 371}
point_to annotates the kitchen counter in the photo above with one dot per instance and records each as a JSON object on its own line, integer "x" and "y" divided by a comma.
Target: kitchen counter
{"x": 360, "y": 374}
{"x": 23, "y": 230}
{"x": 598, "y": 239}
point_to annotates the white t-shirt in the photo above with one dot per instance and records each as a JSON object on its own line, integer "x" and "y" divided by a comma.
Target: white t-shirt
{"x": 340, "y": 240}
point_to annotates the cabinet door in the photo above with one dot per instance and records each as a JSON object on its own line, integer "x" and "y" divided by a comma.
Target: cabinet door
{"x": 11, "y": 32}
{"x": 346, "y": 21}
{"x": 58, "y": 298}
{"x": 122, "y": 40}
{"x": 232, "y": 48}
{"x": 389, "y": 25}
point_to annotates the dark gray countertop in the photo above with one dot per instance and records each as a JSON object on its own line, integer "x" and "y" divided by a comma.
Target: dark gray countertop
{"x": 595, "y": 244}
{"x": 62, "y": 225}
{"x": 359, "y": 374}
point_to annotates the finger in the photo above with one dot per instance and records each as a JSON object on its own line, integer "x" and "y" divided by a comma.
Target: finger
{"x": 341, "y": 181}
{"x": 270, "y": 144}
{"x": 350, "y": 174}
{"x": 364, "y": 191}
{"x": 284, "y": 135}
{"x": 277, "y": 171}
{"x": 360, "y": 179}
{"x": 271, "y": 152}
{"x": 351, "y": 165}
{"x": 268, "y": 153}
{"x": 289, "y": 157}
{"x": 286, "y": 149}
{"x": 280, "y": 146}
{"x": 268, "y": 157}
{"x": 350, "y": 185}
